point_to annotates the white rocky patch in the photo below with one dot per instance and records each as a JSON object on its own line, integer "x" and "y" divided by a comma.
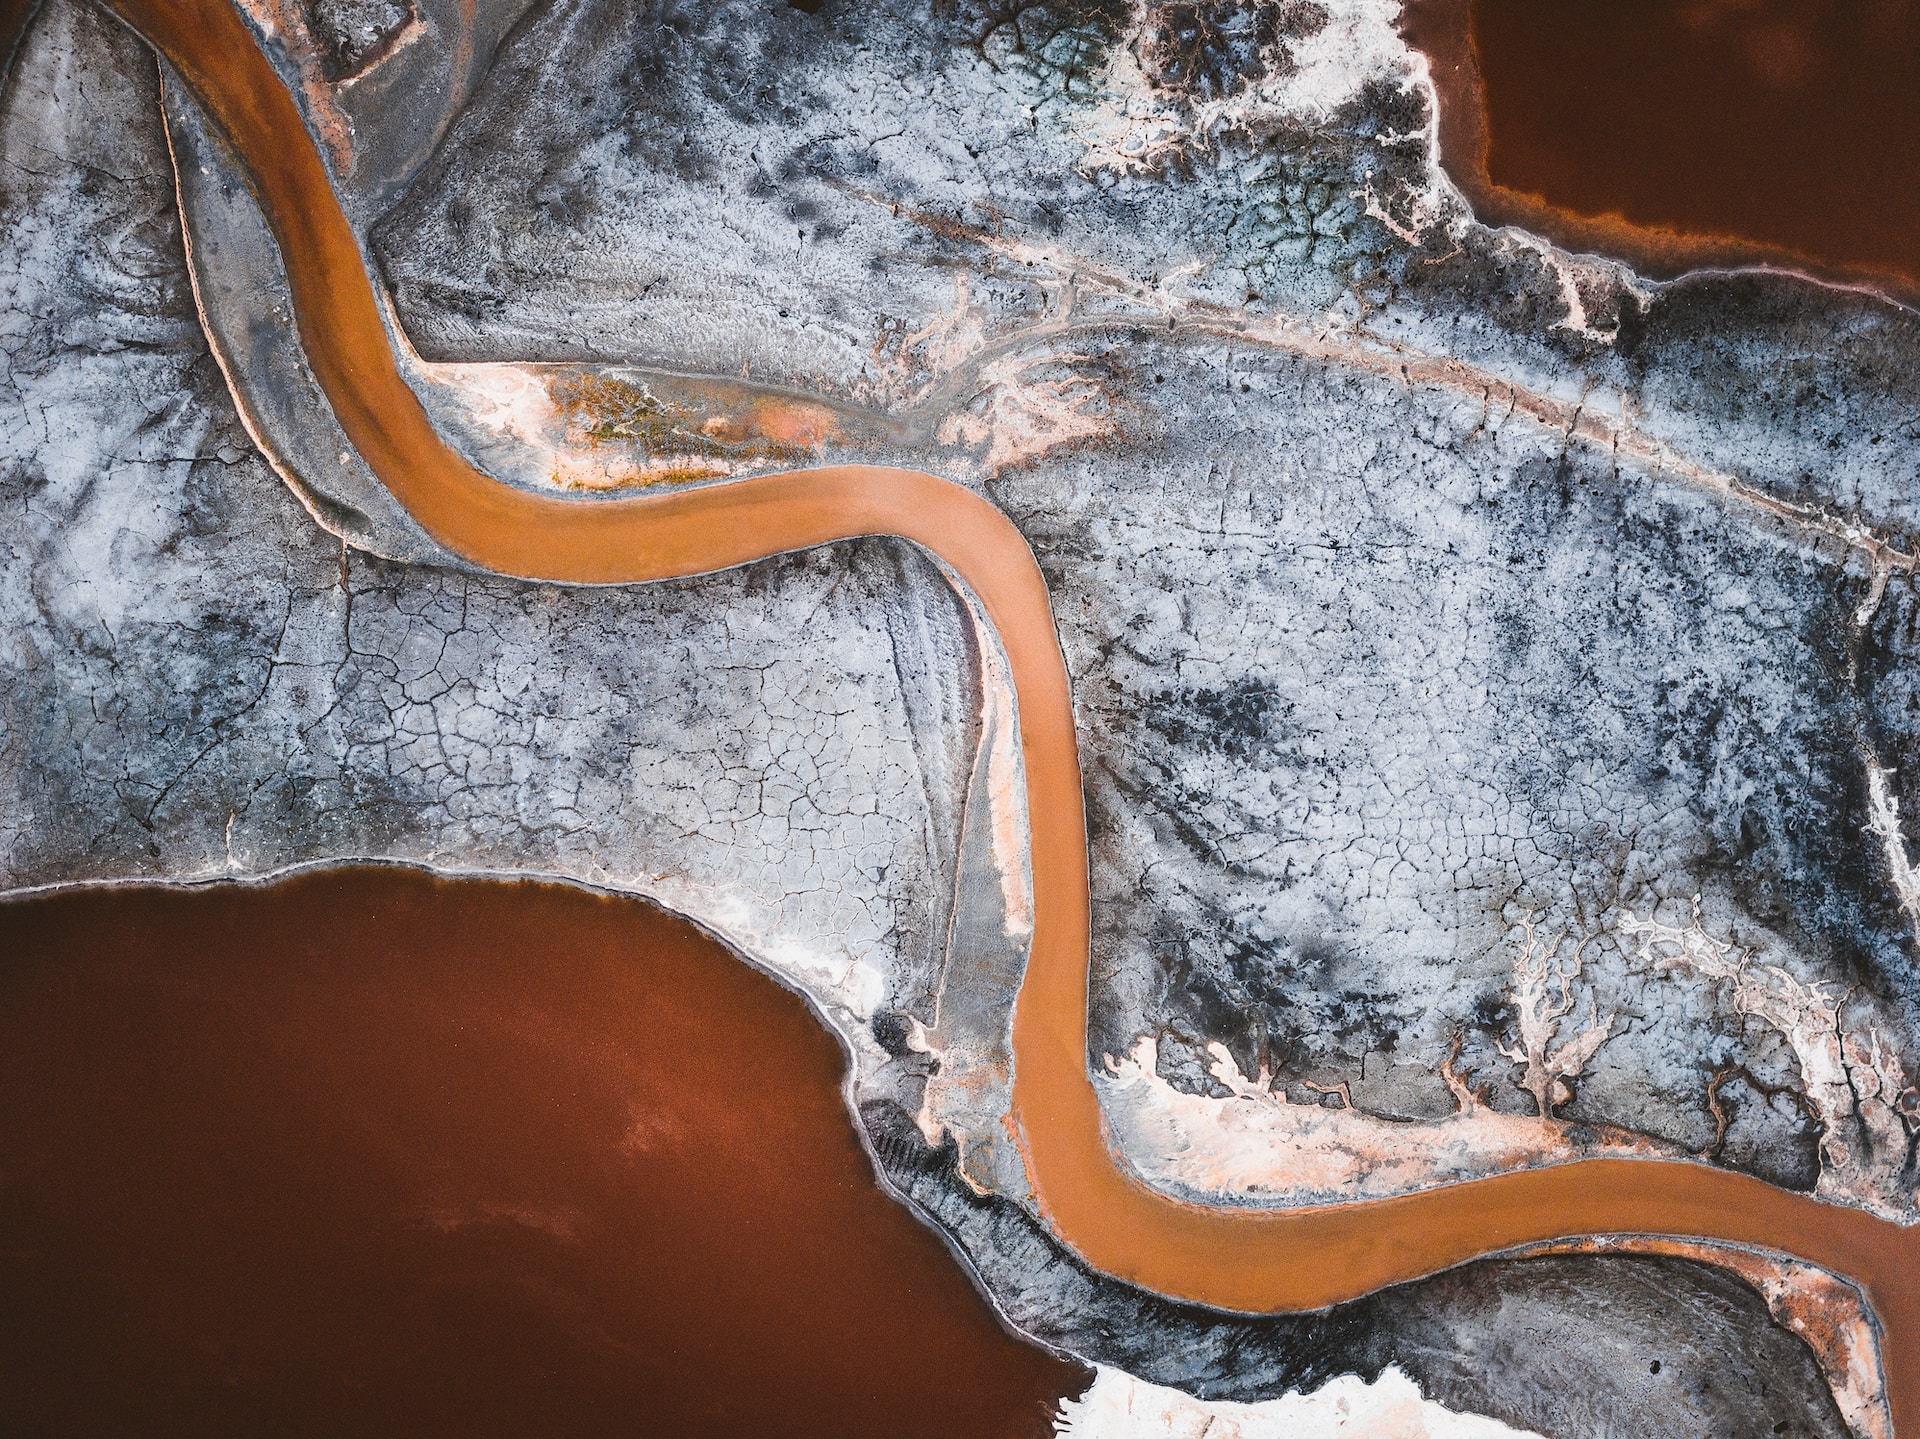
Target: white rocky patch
{"x": 1258, "y": 1148}
{"x": 1118, "y": 1406}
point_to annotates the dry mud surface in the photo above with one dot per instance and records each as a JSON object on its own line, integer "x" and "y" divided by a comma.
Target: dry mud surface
{"x": 1492, "y": 669}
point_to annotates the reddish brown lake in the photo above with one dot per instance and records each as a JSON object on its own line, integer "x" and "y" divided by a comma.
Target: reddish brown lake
{"x": 366, "y": 1152}
{"x": 1682, "y": 132}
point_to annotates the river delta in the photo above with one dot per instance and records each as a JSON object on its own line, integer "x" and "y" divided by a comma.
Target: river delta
{"x": 1300, "y": 742}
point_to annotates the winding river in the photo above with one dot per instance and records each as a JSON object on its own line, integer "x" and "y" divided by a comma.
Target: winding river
{"x": 1247, "y": 1260}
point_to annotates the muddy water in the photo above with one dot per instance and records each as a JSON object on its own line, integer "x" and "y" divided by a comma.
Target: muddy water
{"x": 369, "y": 1152}
{"x": 1246, "y": 1260}
{"x": 15, "y": 16}
{"x": 1679, "y": 133}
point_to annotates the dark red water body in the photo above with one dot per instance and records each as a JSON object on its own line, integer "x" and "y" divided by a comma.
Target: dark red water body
{"x": 15, "y": 16}
{"x": 367, "y": 1152}
{"x": 1679, "y": 133}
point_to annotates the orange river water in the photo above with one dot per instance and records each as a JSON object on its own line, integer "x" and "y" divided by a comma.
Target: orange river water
{"x": 1245, "y": 1260}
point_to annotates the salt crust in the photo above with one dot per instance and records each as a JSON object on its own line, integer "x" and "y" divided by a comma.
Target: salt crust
{"x": 1119, "y": 1406}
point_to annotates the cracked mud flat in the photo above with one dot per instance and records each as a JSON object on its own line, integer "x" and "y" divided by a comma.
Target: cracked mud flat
{"x": 1411, "y": 590}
